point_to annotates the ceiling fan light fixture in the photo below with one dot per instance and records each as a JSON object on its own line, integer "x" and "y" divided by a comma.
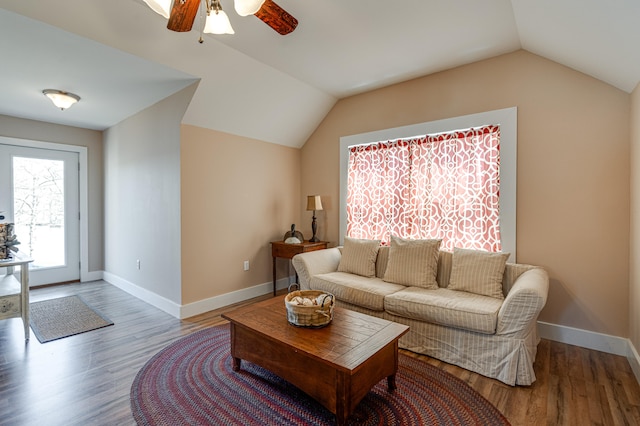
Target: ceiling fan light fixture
{"x": 247, "y": 7}
{"x": 161, "y": 7}
{"x": 62, "y": 100}
{"x": 217, "y": 21}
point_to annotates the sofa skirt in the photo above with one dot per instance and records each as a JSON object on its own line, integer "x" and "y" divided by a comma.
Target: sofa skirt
{"x": 502, "y": 357}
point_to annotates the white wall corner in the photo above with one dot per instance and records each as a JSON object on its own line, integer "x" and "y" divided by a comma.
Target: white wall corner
{"x": 143, "y": 294}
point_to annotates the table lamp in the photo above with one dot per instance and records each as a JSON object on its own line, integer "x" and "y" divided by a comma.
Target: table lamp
{"x": 314, "y": 203}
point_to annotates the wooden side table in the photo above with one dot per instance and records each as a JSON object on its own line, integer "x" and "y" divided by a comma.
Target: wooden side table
{"x": 14, "y": 295}
{"x": 287, "y": 251}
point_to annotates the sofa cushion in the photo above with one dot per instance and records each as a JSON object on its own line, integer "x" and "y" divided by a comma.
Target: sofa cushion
{"x": 355, "y": 289}
{"x": 413, "y": 262}
{"x": 478, "y": 272}
{"x": 446, "y": 307}
{"x": 359, "y": 257}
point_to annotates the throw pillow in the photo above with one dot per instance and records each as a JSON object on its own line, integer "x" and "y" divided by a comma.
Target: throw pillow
{"x": 359, "y": 256}
{"x": 444, "y": 268}
{"x": 478, "y": 272}
{"x": 381, "y": 261}
{"x": 413, "y": 263}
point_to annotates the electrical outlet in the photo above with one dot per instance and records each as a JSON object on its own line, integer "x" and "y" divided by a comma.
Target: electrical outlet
{"x": 138, "y": 263}
{"x": 246, "y": 265}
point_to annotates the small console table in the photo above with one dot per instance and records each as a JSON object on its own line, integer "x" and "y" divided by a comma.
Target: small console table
{"x": 14, "y": 294}
{"x": 287, "y": 251}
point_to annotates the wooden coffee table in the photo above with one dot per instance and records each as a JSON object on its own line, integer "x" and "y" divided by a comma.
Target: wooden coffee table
{"x": 336, "y": 365}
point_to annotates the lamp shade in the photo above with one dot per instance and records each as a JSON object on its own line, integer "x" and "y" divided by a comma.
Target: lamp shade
{"x": 217, "y": 23}
{"x": 162, "y": 7}
{"x": 247, "y": 7}
{"x": 62, "y": 100}
{"x": 314, "y": 202}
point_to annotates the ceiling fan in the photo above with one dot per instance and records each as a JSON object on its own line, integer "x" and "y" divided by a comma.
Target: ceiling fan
{"x": 182, "y": 13}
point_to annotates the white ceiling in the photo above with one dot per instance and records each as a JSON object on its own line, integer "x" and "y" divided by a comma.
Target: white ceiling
{"x": 119, "y": 57}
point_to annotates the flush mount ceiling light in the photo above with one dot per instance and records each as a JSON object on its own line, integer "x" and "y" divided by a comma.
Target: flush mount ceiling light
{"x": 182, "y": 13}
{"x": 62, "y": 100}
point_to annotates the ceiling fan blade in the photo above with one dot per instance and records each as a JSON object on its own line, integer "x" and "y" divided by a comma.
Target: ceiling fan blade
{"x": 182, "y": 15}
{"x": 277, "y": 18}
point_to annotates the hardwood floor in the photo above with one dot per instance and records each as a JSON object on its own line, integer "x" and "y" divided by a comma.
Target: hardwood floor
{"x": 85, "y": 379}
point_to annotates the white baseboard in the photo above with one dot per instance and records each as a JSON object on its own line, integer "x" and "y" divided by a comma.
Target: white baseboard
{"x": 91, "y": 276}
{"x": 558, "y": 333}
{"x": 195, "y": 308}
{"x": 592, "y": 340}
{"x": 143, "y": 294}
{"x": 217, "y": 302}
{"x": 583, "y": 338}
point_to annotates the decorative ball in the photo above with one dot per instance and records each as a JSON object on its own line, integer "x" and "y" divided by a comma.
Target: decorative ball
{"x": 323, "y": 299}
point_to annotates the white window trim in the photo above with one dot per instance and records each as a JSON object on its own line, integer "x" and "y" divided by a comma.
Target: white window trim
{"x": 507, "y": 119}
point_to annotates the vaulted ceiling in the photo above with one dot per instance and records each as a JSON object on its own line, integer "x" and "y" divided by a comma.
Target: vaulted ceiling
{"x": 120, "y": 58}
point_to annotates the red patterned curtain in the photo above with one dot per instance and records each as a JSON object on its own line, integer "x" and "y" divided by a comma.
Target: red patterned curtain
{"x": 438, "y": 186}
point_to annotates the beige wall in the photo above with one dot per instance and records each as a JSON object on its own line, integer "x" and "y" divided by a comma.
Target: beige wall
{"x": 634, "y": 291}
{"x": 91, "y": 139}
{"x": 237, "y": 195}
{"x": 573, "y": 171}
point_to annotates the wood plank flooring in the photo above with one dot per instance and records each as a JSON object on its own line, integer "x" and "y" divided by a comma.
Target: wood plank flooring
{"x": 86, "y": 379}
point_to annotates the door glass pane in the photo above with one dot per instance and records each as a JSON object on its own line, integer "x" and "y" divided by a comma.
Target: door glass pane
{"x": 38, "y": 193}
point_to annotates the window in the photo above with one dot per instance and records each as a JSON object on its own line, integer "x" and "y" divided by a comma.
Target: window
{"x": 406, "y": 189}
{"x": 436, "y": 186}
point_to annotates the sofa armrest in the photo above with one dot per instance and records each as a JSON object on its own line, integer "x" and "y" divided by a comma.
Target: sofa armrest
{"x": 523, "y": 303}
{"x": 314, "y": 263}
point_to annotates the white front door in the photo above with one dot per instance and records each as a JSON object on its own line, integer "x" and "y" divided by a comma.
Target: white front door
{"x": 39, "y": 193}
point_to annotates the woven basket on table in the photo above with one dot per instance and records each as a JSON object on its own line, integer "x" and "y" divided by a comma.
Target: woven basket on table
{"x": 309, "y": 316}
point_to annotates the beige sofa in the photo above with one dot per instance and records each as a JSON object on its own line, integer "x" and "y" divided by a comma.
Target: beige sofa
{"x": 494, "y": 336}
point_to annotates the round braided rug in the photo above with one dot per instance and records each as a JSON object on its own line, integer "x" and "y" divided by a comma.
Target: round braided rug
{"x": 191, "y": 382}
